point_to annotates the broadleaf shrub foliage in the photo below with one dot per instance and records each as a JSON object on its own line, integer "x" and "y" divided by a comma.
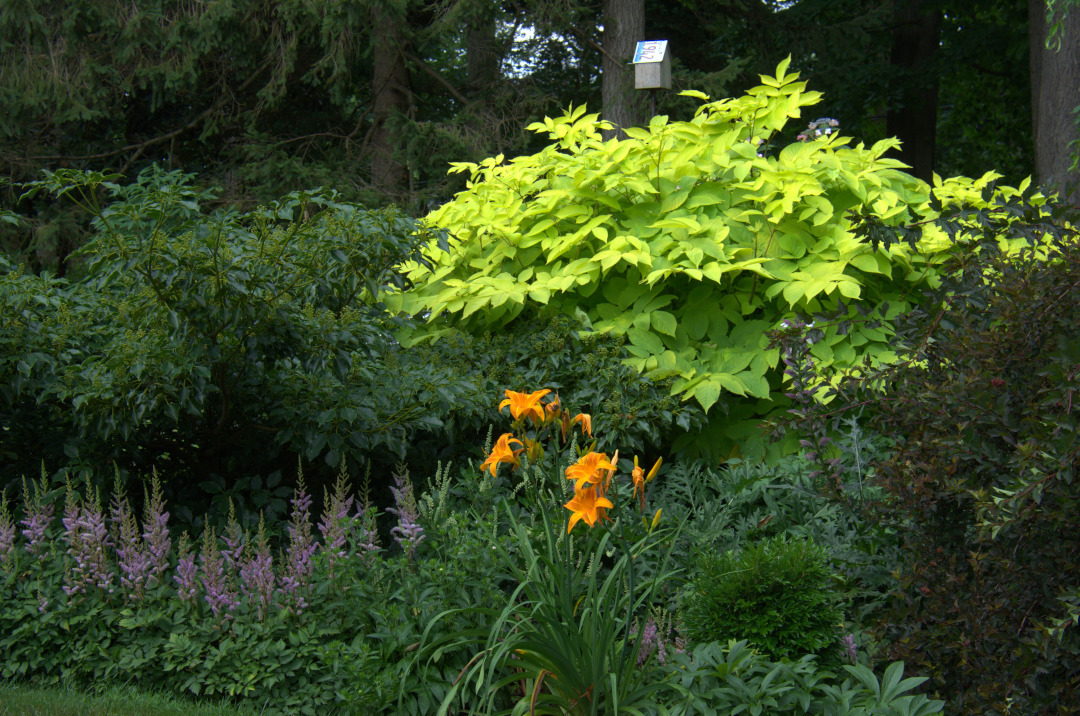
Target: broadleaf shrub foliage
{"x": 726, "y": 678}
{"x": 220, "y": 343}
{"x": 692, "y": 240}
{"x": 983, "y": 480}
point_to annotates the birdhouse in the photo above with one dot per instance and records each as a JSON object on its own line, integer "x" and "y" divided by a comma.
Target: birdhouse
{"x": 652, "y": 65}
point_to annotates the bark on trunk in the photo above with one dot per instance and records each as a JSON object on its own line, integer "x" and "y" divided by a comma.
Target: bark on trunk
{"x": 624, "y": 26}
{"x": 391, "y": 95}
{"x": 1055, "y": 94}
{"x": 481, "y": 53}
{"x": 916, "y": 34}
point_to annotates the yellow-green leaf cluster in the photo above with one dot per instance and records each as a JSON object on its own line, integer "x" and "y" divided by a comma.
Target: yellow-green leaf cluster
{"x": 690, "y": 238}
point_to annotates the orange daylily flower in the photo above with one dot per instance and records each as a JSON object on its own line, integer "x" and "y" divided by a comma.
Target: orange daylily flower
{"x": 586, "y": 422}
{"x": 611, "y": 471}
{"x": 589, "y": 469}
{"x": 553, "y": 407}
{"x": 640, "y": 478}
{"x": 502, "y": 452}
{"x": 588, "y": 505}
{"x": 525, "y": 405}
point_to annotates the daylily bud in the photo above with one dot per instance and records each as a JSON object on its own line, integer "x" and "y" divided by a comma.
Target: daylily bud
{"x": 655, "y": 520}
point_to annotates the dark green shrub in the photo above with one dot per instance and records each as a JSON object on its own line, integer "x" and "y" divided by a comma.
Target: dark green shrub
{"x": 213, "y": 343}
{"x": 741, "y": 503}
{"x": 629, "y": 410}
{"x": 983, "y": 482}
{"x": 775, "y": 594}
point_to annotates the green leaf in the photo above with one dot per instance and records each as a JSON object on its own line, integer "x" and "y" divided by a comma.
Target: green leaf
{"x": 664, "y": 322}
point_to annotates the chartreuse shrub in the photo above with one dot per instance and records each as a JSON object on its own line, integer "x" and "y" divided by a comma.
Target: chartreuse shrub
{"x": 775, "y": 594}
{"x": 691, "y": 240}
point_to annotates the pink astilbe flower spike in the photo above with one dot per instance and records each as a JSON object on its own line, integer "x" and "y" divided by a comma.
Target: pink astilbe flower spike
{"x": 187, "y": 574}
{"x": 156, "y": 532}
{"x": 335, "y": 524}
{"x": 219, "y": 596}
{"x": 86, "y": 535}
{"x": 302, "y": 546}
{"x": 234, "y": 542}
{"x": 38, "y": 514}
{"x": 408, "y": 533}
{"x": 134, "y": 560}
{"x": 257, "y": 574}
{"x": 368, "y": 536}
{"x": 7, "y": 533}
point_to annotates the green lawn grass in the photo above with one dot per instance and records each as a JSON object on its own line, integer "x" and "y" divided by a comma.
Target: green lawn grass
{"x": 26, "y": 700}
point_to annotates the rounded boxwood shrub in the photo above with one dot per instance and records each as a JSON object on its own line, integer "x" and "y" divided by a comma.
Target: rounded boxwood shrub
{"x": 775, "y": 594}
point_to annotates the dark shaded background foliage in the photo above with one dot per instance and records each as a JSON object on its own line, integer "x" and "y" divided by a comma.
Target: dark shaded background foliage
{"x": 983, "y": 480}
{"x": 263, "y": 99}
{"x": 210, "y": 347}
{"x": 220, "y": 348}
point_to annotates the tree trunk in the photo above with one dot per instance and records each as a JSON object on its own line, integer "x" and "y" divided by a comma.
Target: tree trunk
{"x": 1055, "y": 94}
{"x": 481, "y": 53}
{"x": 916, "y": 34}
{"x": 624, "y": 26}
{"x": 391, "y": 98}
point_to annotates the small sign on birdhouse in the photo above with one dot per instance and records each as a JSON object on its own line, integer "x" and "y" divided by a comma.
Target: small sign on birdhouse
{"x": 652, "y": 65}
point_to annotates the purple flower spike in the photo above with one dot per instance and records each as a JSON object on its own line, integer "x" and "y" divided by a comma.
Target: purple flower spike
{"x": 134, "y": 561}
{"x": 366, "y": 516}
{"x": 86, "y": 535}
{"x": 218, "y": 595}
{"x": 257, "y": 574}
{"x": 336, "y": 525}
{"x": 38, "y": 515}
{"x": 408, "y": 533}
{"x": 648, "y": 641}
{"x": 7, "y": 533}
{"x": 156, "y": 532}
{"x": 187, "y": 574}
{"x": 234, "y": 542}
{"x": 850, "y": 649}
{"x": 302, "y": 546}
